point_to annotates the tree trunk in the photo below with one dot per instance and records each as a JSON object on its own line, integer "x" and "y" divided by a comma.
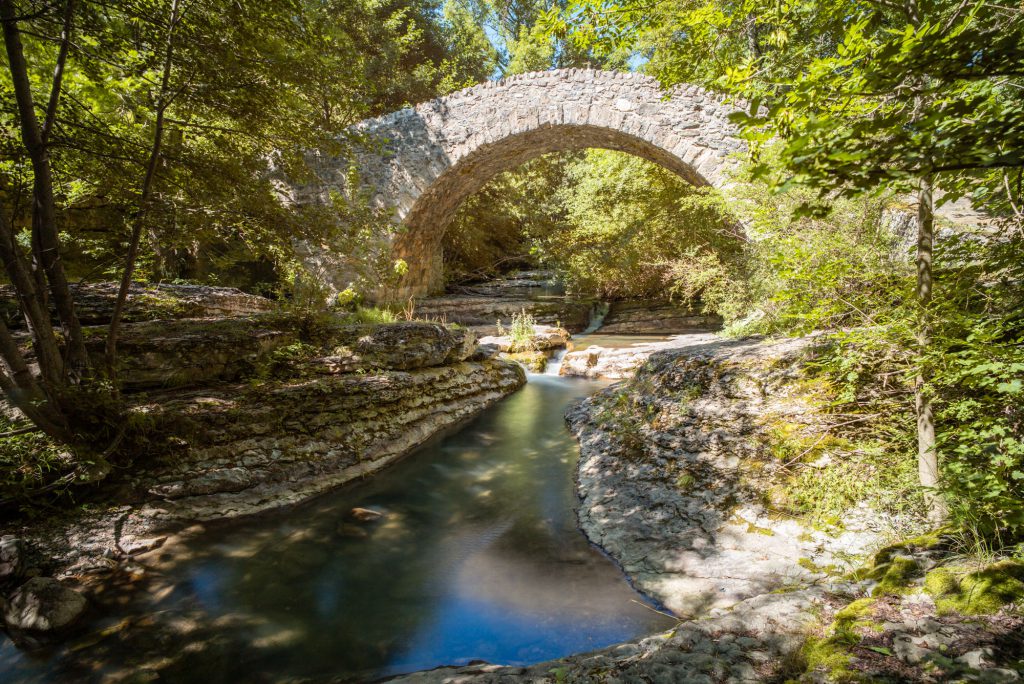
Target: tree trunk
{"x": 163, "y": 99}
{"x": 927, "y": 456}
{"x": 46, "y": 243}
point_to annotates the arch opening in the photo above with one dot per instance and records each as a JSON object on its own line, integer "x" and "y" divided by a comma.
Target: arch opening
{"x": 419, "y": 242}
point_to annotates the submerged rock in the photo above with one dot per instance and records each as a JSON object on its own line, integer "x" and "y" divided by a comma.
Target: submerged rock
{"x": 43, "y": 605}
{"x": 364, "y": 515}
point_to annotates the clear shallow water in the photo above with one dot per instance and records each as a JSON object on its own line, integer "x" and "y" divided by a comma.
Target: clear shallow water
{"x": 477, "y": 558}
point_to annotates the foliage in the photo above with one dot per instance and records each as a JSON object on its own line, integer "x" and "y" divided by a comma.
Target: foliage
{"x": 30, "y": 464}
{"x": 371, "y": 315}
{"x": 492, "y": 231}
{"x": 521, "y": 332}
{"x": 850, "y": 101}
{"x": 630, "y": 223}
{"x": 616, "y": 226}
{"x": 251, "y": 82}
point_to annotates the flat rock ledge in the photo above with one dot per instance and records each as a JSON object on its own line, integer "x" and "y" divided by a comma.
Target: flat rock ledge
{"x": 656, "y": 317}
{"x": 597, "y": 362}
{"x": 287, "y": 417}
{"x": 94, "y": 302}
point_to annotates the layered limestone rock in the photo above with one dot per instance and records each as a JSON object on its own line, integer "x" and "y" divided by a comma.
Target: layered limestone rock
{"x": 655, "y": 318}
{"x": 94, "y": 302}
{"x": 194, "y": 352}
{"x": 190, "y": 352}
{"x": 252, "y": 448}
{"x": 483, "y": 312}
{"x": 672, "y": 486}
{"x": 616, "y": 363}
{"x": 544, "y": 338}
{"x": 265, "y": 411}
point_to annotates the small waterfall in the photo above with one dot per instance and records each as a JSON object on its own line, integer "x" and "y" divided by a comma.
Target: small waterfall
{"x": 600, "y": 311}
{"x": 555, "y": 362}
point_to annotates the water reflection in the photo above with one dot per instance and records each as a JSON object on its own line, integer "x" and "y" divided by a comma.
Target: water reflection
{"x": 477, "y": 557}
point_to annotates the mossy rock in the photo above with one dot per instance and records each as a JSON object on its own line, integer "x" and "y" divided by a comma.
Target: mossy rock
{"x": 534, "y": 361}
{"x": 831, "y": 655}
{"x": 925, "y": 542}
{"x": 896, "y": 576}
{"x": 981, "y": 592}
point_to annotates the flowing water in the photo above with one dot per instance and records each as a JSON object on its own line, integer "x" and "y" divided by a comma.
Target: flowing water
{"x": 477, "y": 557}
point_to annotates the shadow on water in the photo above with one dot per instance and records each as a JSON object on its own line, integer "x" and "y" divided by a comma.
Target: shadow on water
{"x": 477, "y": 557}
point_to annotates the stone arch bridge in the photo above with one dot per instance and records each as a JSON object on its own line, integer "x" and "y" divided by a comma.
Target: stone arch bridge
{"x": 421, "y": 163}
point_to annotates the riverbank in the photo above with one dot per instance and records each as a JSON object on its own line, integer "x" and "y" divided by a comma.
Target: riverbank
{"x": 242, "y": 410}
{"x": 680, "y": 482}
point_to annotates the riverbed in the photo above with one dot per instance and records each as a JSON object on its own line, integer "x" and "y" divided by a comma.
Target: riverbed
{"x": 476, "y": 556}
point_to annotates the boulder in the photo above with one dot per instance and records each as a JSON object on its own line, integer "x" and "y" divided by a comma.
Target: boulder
{"x": 43, "y": 605}
{"x": 395, "y": 346}
{"x": 12, "y": 559}
{"x": 533, "y": 361}
{"x": 192, "y": 352}
{"x": 601, "y": 362}
{"x": 544, "y": 337}
{"x": 485, "y": 352}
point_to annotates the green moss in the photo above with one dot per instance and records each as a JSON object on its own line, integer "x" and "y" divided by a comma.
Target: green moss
{"x": 685, "y": 481}
{"x": 981, "y": 592}
{"x": 832, "y": 656}
{"x": 922, "y": 542}
{"x": 808, "y": 564}
{"x": 895, "y": 576}
{"x": 851, "y": 615}
{"x": 941, "y": 582}
{"x": 534, "y": 361}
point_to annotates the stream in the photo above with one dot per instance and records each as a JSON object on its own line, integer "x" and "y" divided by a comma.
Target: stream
{"x": 477, "y": 557}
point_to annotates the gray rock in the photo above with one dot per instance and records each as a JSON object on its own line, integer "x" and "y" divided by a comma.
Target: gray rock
{"x": 977, "y": 659}
{"x": 655, "y": 317}
{"x": 43, "y": 605}
{"x": 12, "y": 559}
{"x": 906, "y": 650}
{"x": 94, "y": 302}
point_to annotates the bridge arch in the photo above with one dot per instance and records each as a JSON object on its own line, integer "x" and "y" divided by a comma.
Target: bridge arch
{"x": 421, "y": 163}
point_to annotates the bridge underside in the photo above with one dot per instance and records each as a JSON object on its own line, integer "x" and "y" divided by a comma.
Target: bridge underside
{"x": 420, "y": 243}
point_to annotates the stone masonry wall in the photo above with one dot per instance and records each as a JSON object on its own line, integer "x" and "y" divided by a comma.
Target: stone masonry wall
{"x": 421, "y": 163}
